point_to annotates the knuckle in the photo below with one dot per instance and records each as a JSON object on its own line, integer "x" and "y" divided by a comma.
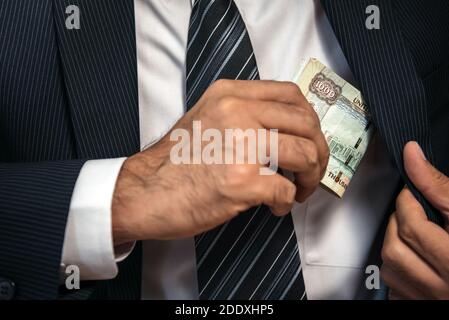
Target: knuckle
{"x": 311, "y": 154}
{"x": 392, "y": 253}
{"x": 292, "y": 88}
{"x": 283, "y": 196}
{"x": 226, "y": 105}
{"x": 312, "y": 122}
{"x": 311, "y": 111}
{"x": 289, "y": 146}
{"x": 406, "y": 231}
{"x": 287, "y": 193}
{"x": 238, "y": 176}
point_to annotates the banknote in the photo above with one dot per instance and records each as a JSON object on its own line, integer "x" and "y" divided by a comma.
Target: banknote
{"x": 344, "y": 119}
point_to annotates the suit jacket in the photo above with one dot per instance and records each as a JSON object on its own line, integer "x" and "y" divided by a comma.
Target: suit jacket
{"x": 67, "y": 96}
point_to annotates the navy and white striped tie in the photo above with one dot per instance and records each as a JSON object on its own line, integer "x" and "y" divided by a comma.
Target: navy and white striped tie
{"x": 254, "y": 256}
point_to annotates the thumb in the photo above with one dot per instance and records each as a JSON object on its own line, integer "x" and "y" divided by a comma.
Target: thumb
{"x": 433, "y": 184}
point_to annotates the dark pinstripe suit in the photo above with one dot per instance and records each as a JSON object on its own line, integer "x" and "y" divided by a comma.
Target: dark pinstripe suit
{"x": 67, "y": 96}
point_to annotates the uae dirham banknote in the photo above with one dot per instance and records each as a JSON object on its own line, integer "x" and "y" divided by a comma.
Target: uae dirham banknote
{"x": 344, "y": 119}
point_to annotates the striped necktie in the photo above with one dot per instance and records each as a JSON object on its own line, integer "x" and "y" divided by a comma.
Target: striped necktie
{"x": 255, "y": 255}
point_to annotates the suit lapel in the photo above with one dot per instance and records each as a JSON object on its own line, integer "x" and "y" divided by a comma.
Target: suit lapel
{"x": 100, "y": 73}
{"x": 386, "y": 75}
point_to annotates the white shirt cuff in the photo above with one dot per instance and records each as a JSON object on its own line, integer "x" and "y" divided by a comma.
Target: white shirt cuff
{"x": 88, "y": 242}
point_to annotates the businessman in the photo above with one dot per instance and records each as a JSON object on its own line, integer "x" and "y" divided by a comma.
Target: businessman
{"x": 85, "y": 175}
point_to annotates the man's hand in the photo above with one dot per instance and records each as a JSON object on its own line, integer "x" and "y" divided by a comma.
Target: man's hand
{"x": 156, "y": 199}
{"x": 416, "y": 251}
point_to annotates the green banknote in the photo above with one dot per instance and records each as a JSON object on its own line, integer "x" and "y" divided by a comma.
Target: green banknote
{"x": 344, "y": 119}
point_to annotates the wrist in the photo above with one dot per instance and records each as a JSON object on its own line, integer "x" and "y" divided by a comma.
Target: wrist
{"x": 127, "y": 179}
{"x": 130, "y": 196}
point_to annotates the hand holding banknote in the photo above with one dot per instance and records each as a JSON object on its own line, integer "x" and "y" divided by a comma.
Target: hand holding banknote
{"x": 156, "y": 198}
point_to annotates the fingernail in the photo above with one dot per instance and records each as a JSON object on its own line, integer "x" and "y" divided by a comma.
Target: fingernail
{"x": 421, "y": 153}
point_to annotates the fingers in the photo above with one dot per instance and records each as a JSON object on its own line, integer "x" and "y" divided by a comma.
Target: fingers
{"x": 392, "y": 252}
{"x": 300, "y": 121}
{"x": 287, "y": 118}
{"x": 276, "y": 105}
{"x": 301, "y": 156}
{"x": 407, "y": 207}
{"x": 267, "y": 90}
{"x": 432, "y": 183}
{"x": 302, "y": 146}
{"x": 275, "y": 191}
{"x": 412, "y": 286}
{"x": 290, "y": 115}
{"x": 405, "y": 271}
{"x": 424, "y": 237}
{"x": 399, "y": 286}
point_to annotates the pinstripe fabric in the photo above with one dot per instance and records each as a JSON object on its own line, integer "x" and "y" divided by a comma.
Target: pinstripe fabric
{"x": 428, "y": 52}
{"x": 34, "y": 126}
{"x": 64, "y": 95}
{"x": 99, "y": 64}
{"x": 34, "y": 200}
{"x": 387, "y": 76}
{"x": 254, "y": 256}
{"x": 431, "y": 57}
{"x": 34, "y": 123}
{"x": 100, "y": 69}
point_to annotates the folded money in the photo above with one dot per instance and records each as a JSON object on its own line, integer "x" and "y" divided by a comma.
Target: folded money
{"x": 344, "y": 120}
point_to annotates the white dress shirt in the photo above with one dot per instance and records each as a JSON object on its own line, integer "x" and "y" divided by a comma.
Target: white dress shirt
{"x": 334, "y": 236}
